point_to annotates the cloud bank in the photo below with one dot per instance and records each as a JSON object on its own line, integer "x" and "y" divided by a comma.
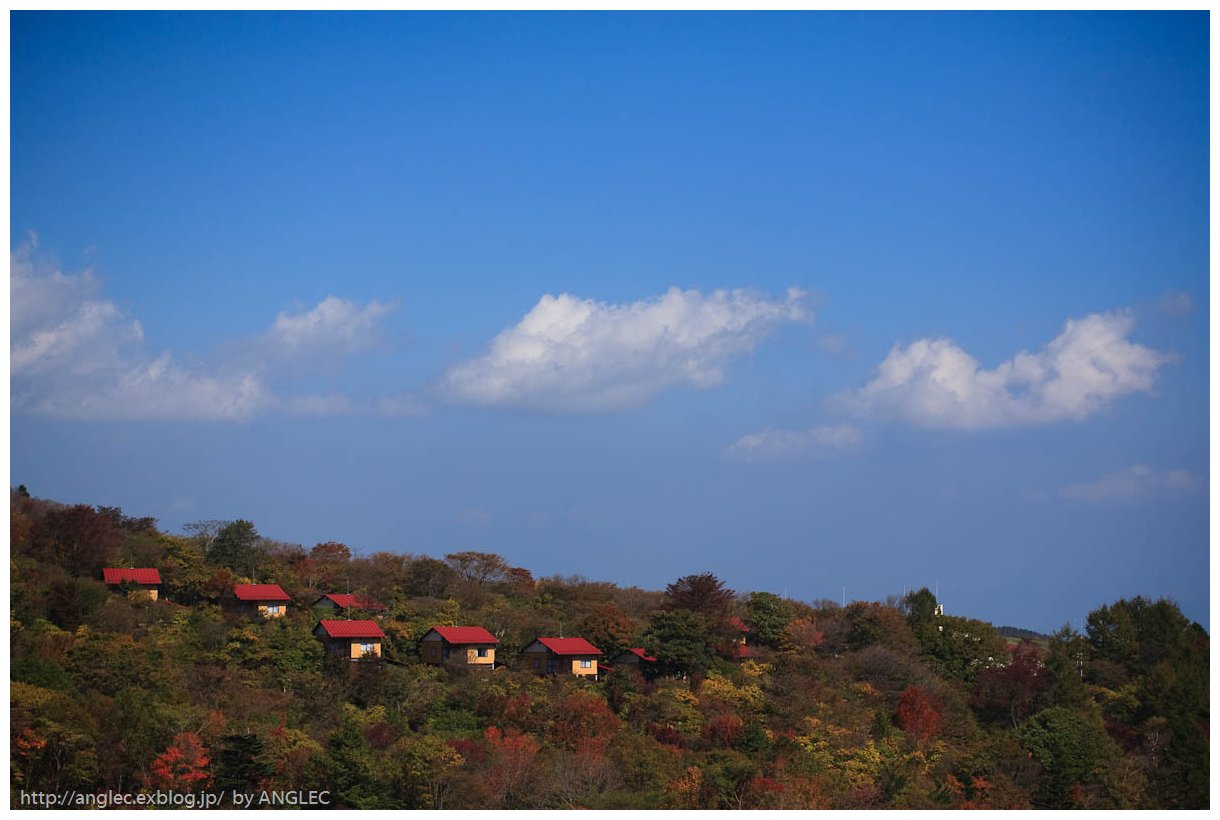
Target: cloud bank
{"x": 74, "y": 354}
{"x": 934, "y": 383}
{"x": 573, "y": 355}
{"x": 779, "y": 445}
{"x": 1134, "y": 483}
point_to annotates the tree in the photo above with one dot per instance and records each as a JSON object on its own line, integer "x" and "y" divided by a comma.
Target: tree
{"x": 1166, "y": 655}
{"x": 183, "y": 766}
{"x": 428, "y": 577}
{"x": 511, "y": 768}
{"x": 422, "y": 765}
{"x": 963, "y": 647}
{"x": 918, "y": 714}
{"x": 235, "y": 547}
{"x": 204, "y": 532}
{"x": 478, "y": 567}
{"x": 242, "y": 765}
{"x": 1065, "y": 663}
{"x": 1010, "y": 693}
{"x": 921, "y": 609}
{"x": 800, "y": 634}
{"x": 767, "y": 615}
{"x": 683, "y": 642}
{"x": 80, "y": 539}
{"x": 609, "y": 629}
{"x": 325, "y": 564}
{"x": 705, "y": 594}
{"x": 1070, "y": 744}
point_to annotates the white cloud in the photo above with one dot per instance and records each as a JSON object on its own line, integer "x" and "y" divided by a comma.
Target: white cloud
{"x": 1134, "y": 483}
{"x": 333, "y": 326}
{"x": 776, "y": 445}
{"x": 76, "y": 355}
{"x": 933, "y": 382}
{"x": 577, "y": 355}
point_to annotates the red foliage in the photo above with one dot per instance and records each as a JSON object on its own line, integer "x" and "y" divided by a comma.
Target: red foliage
{"x": 802, "y": 634}
{"x": 381, "y": 735}
{"x": 668, "y": 735}
{"x": 512, "y": 743}
{"x": 723, "y": 729}
{"x": 516, "y": 709}
{"x": 918, "y": 714}
{"x": 582, "y": 721}
{"x": 183, "y": 765}
{"x": 471, "y": 751}
{"x": 331, "y": 552}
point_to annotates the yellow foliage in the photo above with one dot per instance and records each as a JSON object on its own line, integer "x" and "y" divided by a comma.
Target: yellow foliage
{"x": 861, "y": 764}
{"x": 750, "y": 695}
{"x": 365, "y": 717}
{"x": 28, "y": 695}
{"x": 866, "y": 689}
{"x": 684, "y": 696}
{"x": 754, "y": 669}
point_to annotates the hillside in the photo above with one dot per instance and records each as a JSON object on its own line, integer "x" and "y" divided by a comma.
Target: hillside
{"x": 737, "y": 699}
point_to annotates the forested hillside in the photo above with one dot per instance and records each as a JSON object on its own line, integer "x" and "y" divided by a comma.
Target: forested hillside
{"x": 871, "y": 705}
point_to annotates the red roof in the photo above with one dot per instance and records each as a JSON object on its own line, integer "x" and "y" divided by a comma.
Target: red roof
{"x": 738, "y": 624}
{"x": 345, "y": 600}
{"x": 465, "y": 634}
{"x": 260, "y": 592}
{"x": 352, "y": 629}
{"x": 569, "y": 646}
{"x": 742, "y": 651}
{"x": 135, "y": 576}
{"x": 636, "y": 650}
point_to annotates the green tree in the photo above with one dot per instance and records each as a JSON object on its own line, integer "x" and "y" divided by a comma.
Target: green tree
{"x": 235, "y": 547}
{"x": 242, "y": 764}
{"x": 1070, "y": 745}
{"x": 767, "y": 615}
{"x": 683, "y": 642}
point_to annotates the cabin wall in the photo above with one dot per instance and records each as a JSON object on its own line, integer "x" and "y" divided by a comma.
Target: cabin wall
{"x": 265, "y": 610}
{"x": 356, "y": 653}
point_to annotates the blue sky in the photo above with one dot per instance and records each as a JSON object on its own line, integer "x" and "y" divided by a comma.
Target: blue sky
{"x": 807, "y": 300}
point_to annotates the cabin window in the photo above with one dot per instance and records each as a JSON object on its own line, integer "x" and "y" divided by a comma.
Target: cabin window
{"x": 366, "y": 648}
{"x": 483, "y": 652}
{"x": 273, "y": 610}
{"x": 586, "y": 664}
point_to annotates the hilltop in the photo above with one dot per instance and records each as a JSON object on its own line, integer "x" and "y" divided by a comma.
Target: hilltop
{"x": 733, "y": 699}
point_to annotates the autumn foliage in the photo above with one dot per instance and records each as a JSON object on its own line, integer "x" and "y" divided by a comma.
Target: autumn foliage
{"x": 866, "y": 706}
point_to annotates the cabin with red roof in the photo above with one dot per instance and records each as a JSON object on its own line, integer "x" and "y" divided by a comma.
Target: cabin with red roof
{"x": 635, "y": 657}
{"x": 269, "y": 600}
{"x": 738, "y": 651}
{"x": 352, "y": 639}
{"x": 142, "y": 582}
{"x": 340, "y": 601}
{"x": 562, "y": 656}
{"x": 469, "y": 646}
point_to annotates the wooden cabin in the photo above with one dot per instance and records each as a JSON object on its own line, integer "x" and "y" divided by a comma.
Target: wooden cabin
{"x": 635, "y": 657}
{"x": 342, "y": 601}
{"x": 737, "y": 650}
{"x": 469, "y": 646}
{"x": 269, "y": 600}
{"x": 562, "y": 656}
{"x": 352, "y": 639}
{"x": 143, "y": 582}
